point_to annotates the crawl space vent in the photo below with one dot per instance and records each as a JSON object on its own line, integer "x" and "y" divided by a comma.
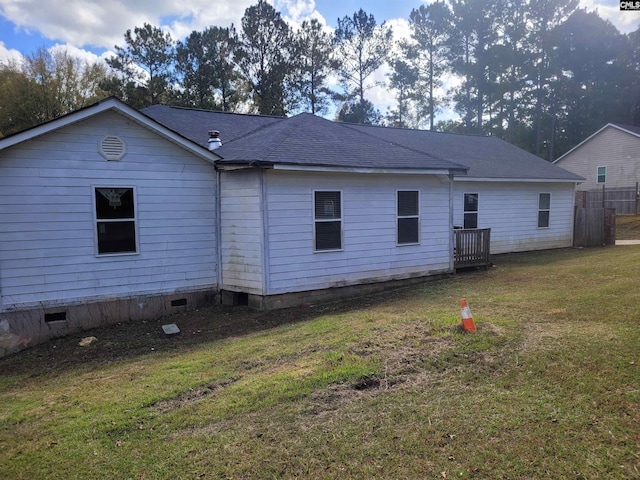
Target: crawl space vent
{"x": 112, "y": 148}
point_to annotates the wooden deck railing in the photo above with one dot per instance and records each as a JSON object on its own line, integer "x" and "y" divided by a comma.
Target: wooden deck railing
{"x": 472, "y": 247}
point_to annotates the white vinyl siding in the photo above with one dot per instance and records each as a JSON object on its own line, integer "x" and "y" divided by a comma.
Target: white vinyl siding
{"x": 369, "y": 223}
{"x": 242, "y": 231}
{"x": 47, "y": 216}
{"x": 511, "y": 209}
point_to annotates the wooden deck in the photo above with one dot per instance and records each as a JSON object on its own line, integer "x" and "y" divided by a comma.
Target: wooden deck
{"x": 472, "y": 247}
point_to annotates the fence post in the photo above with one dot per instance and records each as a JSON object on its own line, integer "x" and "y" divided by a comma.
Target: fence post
{"x": 602, "y": 196}
{"x": 637, "y": 199}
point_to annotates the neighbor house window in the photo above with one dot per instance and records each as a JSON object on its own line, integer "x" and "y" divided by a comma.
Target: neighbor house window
{"x": 408, "y": 217}
{"x": 115, "y": 220}
{"x": 470, "y": 210}
{"x": 328, "y": 220}
{"x": 602, "y": 174}
{"x": 544, "y": 208}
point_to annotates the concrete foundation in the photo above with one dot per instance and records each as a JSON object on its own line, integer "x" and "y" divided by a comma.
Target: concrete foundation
{"x": 297, "y": 299}
{"x": 29, "y": 326}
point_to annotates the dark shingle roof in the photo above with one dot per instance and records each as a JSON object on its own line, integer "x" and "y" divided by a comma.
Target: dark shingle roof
{"x": 195, "y": 124}
{"x": 486, "y": 157}
{"x": 308, "y": 140}
{"x": 629, "y": 128}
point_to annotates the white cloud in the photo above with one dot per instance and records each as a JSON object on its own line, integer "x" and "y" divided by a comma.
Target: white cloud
{"x": 625, "y": 21}
{"x": 297, "y": 10}
{"x": 83, "y": 55}
{"x": 8, "y": 56}
{"x": 102, "y": 24}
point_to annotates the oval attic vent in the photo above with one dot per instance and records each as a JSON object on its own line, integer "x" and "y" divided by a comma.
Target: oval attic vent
{"x": 112, "y": 147}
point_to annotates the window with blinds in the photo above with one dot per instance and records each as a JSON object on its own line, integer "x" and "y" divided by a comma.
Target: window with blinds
{"x": 408, "y": 217}
{"x": 544, "y": 210}
{"x": 328, "y": 220}
{"x": 470, "y": 210}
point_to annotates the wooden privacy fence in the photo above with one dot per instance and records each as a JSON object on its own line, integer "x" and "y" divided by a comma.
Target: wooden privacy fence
{"x": 472, "y": 247}
{"x": 625, "y": 200}
{"x": 594, "y": 227}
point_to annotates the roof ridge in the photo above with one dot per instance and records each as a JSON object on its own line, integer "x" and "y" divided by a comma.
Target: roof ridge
{"x": 208, "y": 110}
{"x": 417, "y": 130}
{"x": 283, "y": 134}
{"x": 351, "y": 126}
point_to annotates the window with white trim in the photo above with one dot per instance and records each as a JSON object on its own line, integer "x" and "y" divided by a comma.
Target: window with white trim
{"x": 602, "y": 174}
{"x": 115, "y": 217}
{"x": 327, "y": 220}
{"x": 470, "y": 210}
{"x": 408, "y": 217}
{"x": 544, "y": 209}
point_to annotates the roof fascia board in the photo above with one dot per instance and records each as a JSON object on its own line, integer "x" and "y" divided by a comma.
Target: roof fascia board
{"x": 519, "y": 180}
{"x": 593, "y": 135}
{"x": 100, "y": 107}
{"x": 397, "y": 171}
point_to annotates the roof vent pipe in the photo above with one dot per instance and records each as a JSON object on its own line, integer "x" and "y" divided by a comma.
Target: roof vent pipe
{"x": 214, "y": 140}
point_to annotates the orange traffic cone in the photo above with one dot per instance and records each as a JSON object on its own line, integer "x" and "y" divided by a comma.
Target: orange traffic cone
{"x": 467, "y": 319}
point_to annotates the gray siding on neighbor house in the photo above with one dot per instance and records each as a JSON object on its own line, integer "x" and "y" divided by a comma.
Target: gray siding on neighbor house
{"x": 510, "y": 209}
{"x": 48, "y": 251}
{"x": 370, "y": 251}
{"x": 612, "y": 148}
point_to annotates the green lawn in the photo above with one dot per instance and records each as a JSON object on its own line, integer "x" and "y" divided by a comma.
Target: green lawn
{"x": 381, "y": 387}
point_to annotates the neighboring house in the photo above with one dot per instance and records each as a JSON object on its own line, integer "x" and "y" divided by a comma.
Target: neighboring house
{"x": 110, "y": 214}
{"x": 610, "y": 157}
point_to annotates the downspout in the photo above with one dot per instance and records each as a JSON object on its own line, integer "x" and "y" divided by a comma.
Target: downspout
{"x": 451, "y": 233}
{"x": 265, "y": 233}
{"x": 574, "y": 209}
{"x": 218, "y": 223}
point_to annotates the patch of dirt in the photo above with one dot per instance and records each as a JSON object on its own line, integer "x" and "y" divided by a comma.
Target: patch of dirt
{"x": 192, "y": 396}
{"x": 406, "y": 350}
{"x": 132, "y": 339}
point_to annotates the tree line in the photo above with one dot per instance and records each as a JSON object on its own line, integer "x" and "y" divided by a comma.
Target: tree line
{"x": 542, "y": 74}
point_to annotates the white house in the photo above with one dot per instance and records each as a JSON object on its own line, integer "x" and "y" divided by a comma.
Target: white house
{"x": 105, "y": 215}
{"x": 526, "y": 201}
{"x": 610, "y": 157}
{"x": 109, "y": 214}
{"x": 309, "y": 205}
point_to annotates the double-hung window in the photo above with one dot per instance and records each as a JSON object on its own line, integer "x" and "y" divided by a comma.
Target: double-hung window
{"x": 408, "y": 216}
{"x": 544, "y": 209}
{"x": 115, "y": 217}
{"x": 470, "y": 210}
{"x": 602, "y": 174}
{"x": 327, "y": 220}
